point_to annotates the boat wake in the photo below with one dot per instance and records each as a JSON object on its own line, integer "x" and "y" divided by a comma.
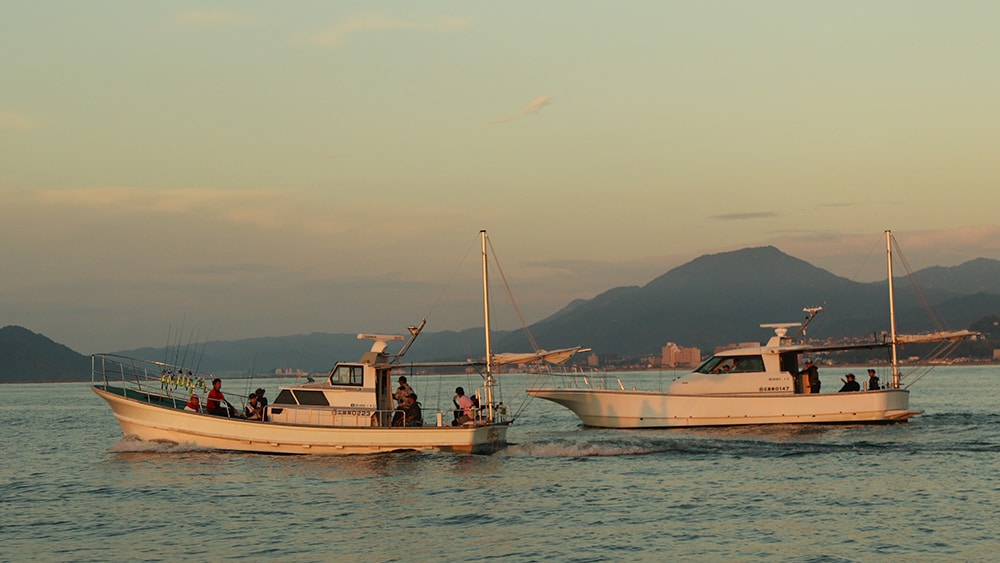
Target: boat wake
{"x": 582, "y": 448}
{"x": 131, "y": 444}
{"x": 940, "y": 434}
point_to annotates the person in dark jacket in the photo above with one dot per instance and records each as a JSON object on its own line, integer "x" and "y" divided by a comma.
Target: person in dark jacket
{"x": 850, "y": 384}
{"x": 252, "y": 411}
{"x": 414, "y": 415}
{"x": 812, "y": 376}
{"x": 873, "y": 384}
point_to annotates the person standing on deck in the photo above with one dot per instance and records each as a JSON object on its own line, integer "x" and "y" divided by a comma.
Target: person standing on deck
{"x": 873, "y": 384}
{"x": 812, "y": 376}
{"x": 402, "y": 392}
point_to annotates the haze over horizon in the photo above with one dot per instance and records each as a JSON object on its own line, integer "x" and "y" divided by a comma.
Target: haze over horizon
{"x": 261, "y": 169}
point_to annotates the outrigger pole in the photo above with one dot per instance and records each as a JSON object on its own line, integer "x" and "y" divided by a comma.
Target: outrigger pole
{"x": 414, "y": 333}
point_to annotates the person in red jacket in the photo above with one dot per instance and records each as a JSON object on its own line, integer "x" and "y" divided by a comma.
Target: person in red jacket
{"x": 194, "y": 405}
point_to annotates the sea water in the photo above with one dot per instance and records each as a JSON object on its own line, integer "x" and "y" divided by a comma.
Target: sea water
{"x": 73, "y": 489}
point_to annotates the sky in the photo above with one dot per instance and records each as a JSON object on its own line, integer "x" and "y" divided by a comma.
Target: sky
{"x": 177, "y": 172}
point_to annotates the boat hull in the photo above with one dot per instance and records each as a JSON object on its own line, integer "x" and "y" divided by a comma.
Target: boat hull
{"x": 608, "y": 408}
{"x": 150, "y": 422}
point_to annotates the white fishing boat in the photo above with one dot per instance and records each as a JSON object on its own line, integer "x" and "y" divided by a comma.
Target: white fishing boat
{"x": 753, "y": 385}
{"x": 349, "y": 412}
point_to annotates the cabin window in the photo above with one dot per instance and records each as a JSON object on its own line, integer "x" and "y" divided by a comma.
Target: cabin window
{"x": 348, "y": 375}
{"x": 749, "y": 364}
{"x": 316, "y": 398}
{"x": 732, "y": 364}
{"x": 285, "y": 397}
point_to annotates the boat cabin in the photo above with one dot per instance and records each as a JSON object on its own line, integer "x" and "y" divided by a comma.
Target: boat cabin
{"x": 353, "y": 394}
{"x": 769, "y": 369}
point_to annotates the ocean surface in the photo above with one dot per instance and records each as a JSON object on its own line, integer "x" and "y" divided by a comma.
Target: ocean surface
{"x": 73, "y": 489}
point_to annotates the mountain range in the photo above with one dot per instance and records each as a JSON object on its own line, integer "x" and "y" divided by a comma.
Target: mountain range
{"x": 723, "y": 298}
{"x": 712, "y": 300}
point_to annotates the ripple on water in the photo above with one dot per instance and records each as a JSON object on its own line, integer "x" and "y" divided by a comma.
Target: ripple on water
{"x": 928, "y": 490}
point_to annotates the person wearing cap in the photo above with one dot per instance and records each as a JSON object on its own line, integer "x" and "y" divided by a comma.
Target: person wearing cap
{"x": 812, "y": 377}
{"x": 873, "y": 384}
{"x": 262, "y": 402}
{"x": 252, "y": 411}
{"x": 850, "y": 384}
{"x": 464, "y": 405}
{"x": 402, "y": 392}
{"x": 412, "y": 412}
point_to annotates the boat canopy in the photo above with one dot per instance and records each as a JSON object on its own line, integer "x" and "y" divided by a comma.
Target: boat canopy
{"x": 554, "y": 357}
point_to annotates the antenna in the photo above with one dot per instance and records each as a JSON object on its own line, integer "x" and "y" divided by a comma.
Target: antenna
{"x": 381, "y": 340}
{"x": 780, "y": 329}
{"x": 813, "y": 311}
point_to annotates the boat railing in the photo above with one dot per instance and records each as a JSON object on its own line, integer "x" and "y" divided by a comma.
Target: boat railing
{"x": 385, "y": 418}
{"x": 438, "y": 417}
{"x": 149, "y": 377}
{"x": 579, "y": 378}
{"x": 483, "y": 415}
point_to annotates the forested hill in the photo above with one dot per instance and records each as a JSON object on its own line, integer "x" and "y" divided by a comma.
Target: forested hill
{"x": 26, "y": 356}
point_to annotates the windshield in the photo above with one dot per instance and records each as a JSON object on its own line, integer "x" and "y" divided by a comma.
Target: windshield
{"x": 732, "y": 364}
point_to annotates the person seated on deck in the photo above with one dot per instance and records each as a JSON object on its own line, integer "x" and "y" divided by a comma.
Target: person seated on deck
{"x": 464, "y": 405}
{"x": 215, "y": 399}
{"x": 252, "y": 411}
{"x": 402, "y": 392}
{"x": 193, "y": 405}
{"x": 414, "y": 415}
{"x": 262, "y": 402}
{"x": 475, "y": 406}
{"x": 850, "y": 384}
{"x": 399, "y": 416}
{"x": 873, "y": 384}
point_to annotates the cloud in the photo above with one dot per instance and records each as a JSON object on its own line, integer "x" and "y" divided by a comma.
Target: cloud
{"x": 213, "y": 18}
{"x": 533, "y": 108}
{"x": 18, "y": 122}
{"x": 860, "y": 256}
{"x": 537, "y": 104}
{"x": 341, "y": 33}
{"x": 744, "y": 216}
{"x": 243, "y": 207}
{"x": 139, "y": 199}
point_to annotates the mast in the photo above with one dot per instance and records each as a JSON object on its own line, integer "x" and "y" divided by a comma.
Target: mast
{"x": 486, "y": 323}
{"x": 892, "y": 312}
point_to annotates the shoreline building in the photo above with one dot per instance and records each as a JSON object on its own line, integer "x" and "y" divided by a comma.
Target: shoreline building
{"x": 673, "y": 356}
